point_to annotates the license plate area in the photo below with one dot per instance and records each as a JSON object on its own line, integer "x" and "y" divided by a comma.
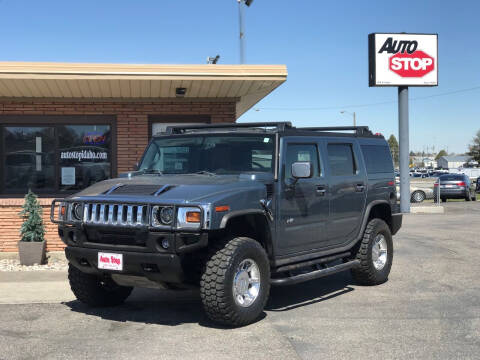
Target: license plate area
{"x": 110, "y": 261}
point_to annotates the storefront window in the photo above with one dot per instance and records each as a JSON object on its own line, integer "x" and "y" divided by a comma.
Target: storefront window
{"x": 56, "y": 158}
{"x": 84, "y": 155}
{"x": 29, "y": 158}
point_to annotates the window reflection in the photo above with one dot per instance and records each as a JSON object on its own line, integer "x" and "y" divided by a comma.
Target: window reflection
{"x": 29, "y": 158}
{"x": 84, "y": 155}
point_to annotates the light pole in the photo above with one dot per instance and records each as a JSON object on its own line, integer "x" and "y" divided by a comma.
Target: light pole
{"x": 241, "y": 23}
{"x": 354, "y": 116}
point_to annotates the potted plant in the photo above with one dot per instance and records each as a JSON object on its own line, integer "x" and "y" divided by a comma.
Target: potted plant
{"x": 31, "y": 246}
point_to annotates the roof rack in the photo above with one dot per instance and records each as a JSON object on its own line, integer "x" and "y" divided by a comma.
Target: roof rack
{"x": 178, "y": 129}
{"x": 359, "y": 130}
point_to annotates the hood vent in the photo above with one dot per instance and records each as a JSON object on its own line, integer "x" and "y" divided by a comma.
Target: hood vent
{"x": 163, "y": 189}
{"x": 133, "y": 189}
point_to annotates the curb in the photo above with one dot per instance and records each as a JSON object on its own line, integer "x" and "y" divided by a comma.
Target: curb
{"x": 427, "y": 210}
{"x": 54, "y": 255}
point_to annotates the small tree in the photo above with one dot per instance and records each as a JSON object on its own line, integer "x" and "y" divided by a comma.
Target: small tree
{"x": 440, "y": 154}
{"x": 393, "y": 143}
{"x": 32, "y": 228}
{"x": 474, "y": 149}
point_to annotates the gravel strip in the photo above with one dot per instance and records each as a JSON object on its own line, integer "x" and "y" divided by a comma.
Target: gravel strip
{"x": 14, "y": 265}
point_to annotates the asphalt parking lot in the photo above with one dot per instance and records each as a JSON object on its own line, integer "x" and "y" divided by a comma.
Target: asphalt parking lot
{"x": 429, "y": 309}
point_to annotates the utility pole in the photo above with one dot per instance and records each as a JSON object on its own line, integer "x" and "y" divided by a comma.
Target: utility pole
{"x": 353, "y": 114}
{"x": 241, "y": 23}
{"x": 404, "y": 146}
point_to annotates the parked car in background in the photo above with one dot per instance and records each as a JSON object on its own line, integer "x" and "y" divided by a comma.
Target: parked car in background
{"x": 454, "y": 186}
{"x": 417, "y": 193}
{"x": 477, "y": 188}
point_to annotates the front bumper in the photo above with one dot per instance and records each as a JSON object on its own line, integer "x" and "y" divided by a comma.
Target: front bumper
{"x": 160, "y": 268}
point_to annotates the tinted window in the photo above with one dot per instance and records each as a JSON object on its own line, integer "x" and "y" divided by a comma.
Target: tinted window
{"x": 341, "y": 160}
{"x": 301, "y": 152}
{"x": 451, "y": 177}
{"x": 377, "y": 159}
{"x": 29, "y": 158}
{"x": 84, "y": 155}
{"x": 221, "y": 154}
{"x": 55, "y": 158}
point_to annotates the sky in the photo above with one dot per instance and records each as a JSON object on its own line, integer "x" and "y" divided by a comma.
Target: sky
{"x": 323, "y": 44}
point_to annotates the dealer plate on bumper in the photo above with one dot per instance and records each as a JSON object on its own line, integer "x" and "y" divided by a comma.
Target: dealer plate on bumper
{"x": 109, "y": 261}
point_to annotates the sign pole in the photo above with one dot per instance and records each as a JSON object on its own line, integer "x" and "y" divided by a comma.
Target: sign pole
{"x": 404, "y": 149}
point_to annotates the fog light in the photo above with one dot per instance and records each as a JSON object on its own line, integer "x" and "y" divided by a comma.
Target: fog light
{"x": 165, "y": 243}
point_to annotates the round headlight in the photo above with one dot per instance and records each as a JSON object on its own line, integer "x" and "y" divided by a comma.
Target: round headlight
{"x": 77, "y": 211}
{"x": 166, "y": 215}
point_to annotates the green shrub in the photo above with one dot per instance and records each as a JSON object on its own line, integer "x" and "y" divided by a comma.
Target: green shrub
{"x": 32, "y": 228}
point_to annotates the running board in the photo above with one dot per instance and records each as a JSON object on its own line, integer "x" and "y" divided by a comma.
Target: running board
{"x": 315, "y": 274}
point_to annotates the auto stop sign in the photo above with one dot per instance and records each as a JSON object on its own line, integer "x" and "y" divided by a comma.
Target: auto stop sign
{"x": 403, "y": 59}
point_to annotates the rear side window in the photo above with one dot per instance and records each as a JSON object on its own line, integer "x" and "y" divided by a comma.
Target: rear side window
{"x": 341, "y": 159}
{"x": 377, "y": 159}
{"x": 451, "y": 177}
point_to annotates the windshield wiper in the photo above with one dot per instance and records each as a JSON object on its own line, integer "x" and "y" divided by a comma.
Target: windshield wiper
{"x": 205, "y": 172}
{"x": 151, "y": 171}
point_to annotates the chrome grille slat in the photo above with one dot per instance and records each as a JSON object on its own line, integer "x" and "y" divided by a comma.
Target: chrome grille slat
{"x": 129, "y": 215}
{"x": 115, "y": 214}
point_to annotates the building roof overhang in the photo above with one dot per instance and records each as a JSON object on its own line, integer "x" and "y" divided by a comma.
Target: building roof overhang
{"x": 244, "y": 84}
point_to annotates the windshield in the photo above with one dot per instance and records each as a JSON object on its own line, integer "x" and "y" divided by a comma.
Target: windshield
{"x": 218, "y": 154}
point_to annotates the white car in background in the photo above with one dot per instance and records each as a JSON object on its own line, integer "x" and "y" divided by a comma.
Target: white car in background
{"x": 417, "y": 193}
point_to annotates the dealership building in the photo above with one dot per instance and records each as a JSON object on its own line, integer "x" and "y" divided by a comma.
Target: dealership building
{"x": 64, "y": 126}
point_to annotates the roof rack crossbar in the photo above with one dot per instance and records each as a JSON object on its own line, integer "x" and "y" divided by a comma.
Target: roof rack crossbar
{"x": 176, "y": 129}
{"x": 360, "y": 130}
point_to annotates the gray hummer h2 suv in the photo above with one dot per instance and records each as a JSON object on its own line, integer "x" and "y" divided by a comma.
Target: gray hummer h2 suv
{"x": 234, "y": 209}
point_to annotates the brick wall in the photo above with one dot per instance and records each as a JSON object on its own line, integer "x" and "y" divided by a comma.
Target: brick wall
{"x": 11, "y": 222}
{"x": 132, "y": 137}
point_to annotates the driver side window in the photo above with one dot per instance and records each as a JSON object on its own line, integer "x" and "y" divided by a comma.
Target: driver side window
{"x": 301, "y": 152}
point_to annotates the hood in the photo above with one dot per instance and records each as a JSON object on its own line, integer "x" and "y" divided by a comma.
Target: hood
{"x": 176, "y": 189}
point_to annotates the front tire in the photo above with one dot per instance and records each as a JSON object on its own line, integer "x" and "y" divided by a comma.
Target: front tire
{"x": 375, "y": 252}
{"x": 235, "y": 282}
{"x": 95, "y": 291}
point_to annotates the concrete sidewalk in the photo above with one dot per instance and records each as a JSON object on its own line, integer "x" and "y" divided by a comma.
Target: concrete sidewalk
{"x": 27, "y": 287}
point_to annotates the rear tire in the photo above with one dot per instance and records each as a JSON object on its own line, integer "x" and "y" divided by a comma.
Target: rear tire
{"x": 444, "y": 199}
{"x": 468, "y": 196}
{"x": 235, "y": 266}
{"x": 417, "y": 196}
{"x": 375, "y": 252}
{"x": 95, "y": 291}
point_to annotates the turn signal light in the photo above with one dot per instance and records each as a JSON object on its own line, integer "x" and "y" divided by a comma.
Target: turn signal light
{"x": 222, "y": 208}
{"x": 63, "y": 210}
{"x": 193, "y": 217}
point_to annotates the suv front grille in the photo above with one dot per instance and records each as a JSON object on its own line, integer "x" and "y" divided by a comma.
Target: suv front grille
{"x": 115, "y": 214}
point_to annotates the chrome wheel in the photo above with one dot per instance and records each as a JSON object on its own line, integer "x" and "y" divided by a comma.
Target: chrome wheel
{"x": 379, "y": 252}
{"x": 246, "y": 283}
{"x": 418, "y": 196}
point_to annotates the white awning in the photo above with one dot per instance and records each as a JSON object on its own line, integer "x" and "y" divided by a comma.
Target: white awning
{"x": 246, "y": 84}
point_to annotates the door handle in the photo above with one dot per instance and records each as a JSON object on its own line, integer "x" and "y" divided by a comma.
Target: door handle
{"x": 359, "y": 187}
{"x": 321, "y": 190}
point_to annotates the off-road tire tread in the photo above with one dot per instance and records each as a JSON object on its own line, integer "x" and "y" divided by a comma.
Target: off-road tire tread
{"x": 88, "y": 289}
{"x": 218, "y": 307}
{"x": 365, "y": 273}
